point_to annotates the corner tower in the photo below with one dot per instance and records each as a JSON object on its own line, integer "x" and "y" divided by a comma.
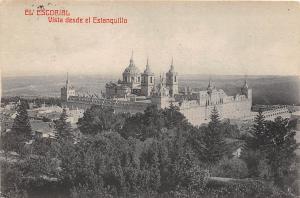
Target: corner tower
{"x": 148, "y": 81}
{"x": 172, "y": 81}
{"x": 245, "y": 90}
{"x": 67, "y": 91}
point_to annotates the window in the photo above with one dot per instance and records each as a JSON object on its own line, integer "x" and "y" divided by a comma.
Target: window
{"x": 150, "y": 79}
{"x": 175, "y": 79}
{"x": 139, "y": 79}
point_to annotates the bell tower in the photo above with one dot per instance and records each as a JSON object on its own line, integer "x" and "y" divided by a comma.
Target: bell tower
{"x": 172, "y": 81}
{"x": 148, "y": 81}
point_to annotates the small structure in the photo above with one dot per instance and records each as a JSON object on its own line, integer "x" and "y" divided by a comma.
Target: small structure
{"x": 42, "y": 129}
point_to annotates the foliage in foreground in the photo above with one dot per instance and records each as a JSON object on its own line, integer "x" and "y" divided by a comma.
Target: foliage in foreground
{"x": 161, "y": 155}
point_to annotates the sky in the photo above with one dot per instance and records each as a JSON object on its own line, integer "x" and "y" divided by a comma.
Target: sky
{"x": 244, "y": 38}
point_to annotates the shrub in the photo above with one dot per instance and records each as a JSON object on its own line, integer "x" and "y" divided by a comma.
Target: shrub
{"x": 232, "y": 168}
{"x": 86, "y": 192}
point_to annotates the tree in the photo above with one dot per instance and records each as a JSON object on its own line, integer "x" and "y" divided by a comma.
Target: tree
{"x": 215, "y": 145}
{"x": 258, "y": 134}
{"x": 63, "y": 128}
{"x": 253, "y": 150}
{"x": 20, "y": 132}
{"x": 270, "y": 150}
{"x": 232, "y": 168}
{"x": 215, "y": 122}
{"x": 280, "y": 150}
{"x": 144, "y": 125}
{"x": 195, "y": 139}
{"x": 98, "y": 119}
{"x": 174, "y": 118}
{"x": 185, "y": 172}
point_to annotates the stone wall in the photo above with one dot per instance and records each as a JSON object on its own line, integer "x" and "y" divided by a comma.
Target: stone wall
{"x": 119, "y": 106}
{"x": 198, "y": 115}
{"x": 195, "y": 113}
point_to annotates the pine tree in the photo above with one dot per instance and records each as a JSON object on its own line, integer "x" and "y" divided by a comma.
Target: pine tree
{"x": 259, "y": 137}
{"x": 280, "y": 150}
{"x": 63, "y": 128}
{"x": 215, "y": 146}
{"x": 20, "y": 132}
{"x": 271, "y": 142}
{"x": 253, "y": 153}
{"x": 173, "y": 118}
{"x": 99, "y": 119}
{"x": 215, "y": 122}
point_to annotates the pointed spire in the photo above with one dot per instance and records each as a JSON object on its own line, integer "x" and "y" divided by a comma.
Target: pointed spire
{"x": 172, "y": 66}
{"x": 131, "y": 58}
{"x": 67, "y": 82}
{"x": 148, "y": 70}
{"x": 245, "y": 82}
{"x": 209, "y": 82}
{"x": 210, "y": 87}
{"x": 147, "y": 65}
{"x": 147, "y": 61}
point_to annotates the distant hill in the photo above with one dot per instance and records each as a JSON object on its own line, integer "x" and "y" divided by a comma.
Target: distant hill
{"x": 266, "y": 89}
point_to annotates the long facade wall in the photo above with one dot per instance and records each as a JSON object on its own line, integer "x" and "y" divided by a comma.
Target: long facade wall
{"x": 195, "y": 113}
{"x": 119, "y": 106}
{"x": 198, "y": 115}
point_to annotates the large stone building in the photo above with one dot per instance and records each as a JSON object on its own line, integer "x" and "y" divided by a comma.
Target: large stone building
{"x": 136, "y": 91}
{"x": 135, "y": 83}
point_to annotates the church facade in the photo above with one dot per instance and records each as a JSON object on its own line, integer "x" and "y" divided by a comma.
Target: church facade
{"x": 137, "y": 90}
{"x": 135, "y": 83}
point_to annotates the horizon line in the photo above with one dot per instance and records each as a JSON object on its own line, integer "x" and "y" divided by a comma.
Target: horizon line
{"x": 113, "y": 75}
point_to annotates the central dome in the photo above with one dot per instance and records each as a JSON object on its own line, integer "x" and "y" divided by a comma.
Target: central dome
{"x": 132, "y": 69}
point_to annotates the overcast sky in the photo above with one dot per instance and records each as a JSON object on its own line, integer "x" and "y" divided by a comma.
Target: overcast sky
{"x": 204, "y": 38}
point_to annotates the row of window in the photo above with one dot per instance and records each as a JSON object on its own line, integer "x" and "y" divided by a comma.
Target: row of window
{"x": 138, "y": 79}
{"x": 144, "y": 79}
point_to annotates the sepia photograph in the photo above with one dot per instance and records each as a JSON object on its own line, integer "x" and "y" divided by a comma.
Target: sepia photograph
{"x": 149, "y": 99}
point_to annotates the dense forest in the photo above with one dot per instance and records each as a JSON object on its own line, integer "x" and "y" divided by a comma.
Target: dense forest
{"x": 157, "y": 153}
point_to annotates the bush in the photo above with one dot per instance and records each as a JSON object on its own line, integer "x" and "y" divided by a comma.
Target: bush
{"x": 242, "y": 188}
{"x": 197, "y": 178}
{"x": 231, "y": 168}
{"x": 86, "y": 192}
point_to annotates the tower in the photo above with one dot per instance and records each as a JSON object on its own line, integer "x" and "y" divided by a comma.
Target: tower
{"x": 161, "y": 95}
{"x": 67, "y": 91}
{"x": 209, "y": 87}
{"x": 148, "y": 81}
{"x": 246, "y": 91}
{"x": 172, "y": 81}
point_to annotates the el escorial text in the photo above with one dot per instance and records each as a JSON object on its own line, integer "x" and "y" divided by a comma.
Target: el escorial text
{"x": 64, "y": 16}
